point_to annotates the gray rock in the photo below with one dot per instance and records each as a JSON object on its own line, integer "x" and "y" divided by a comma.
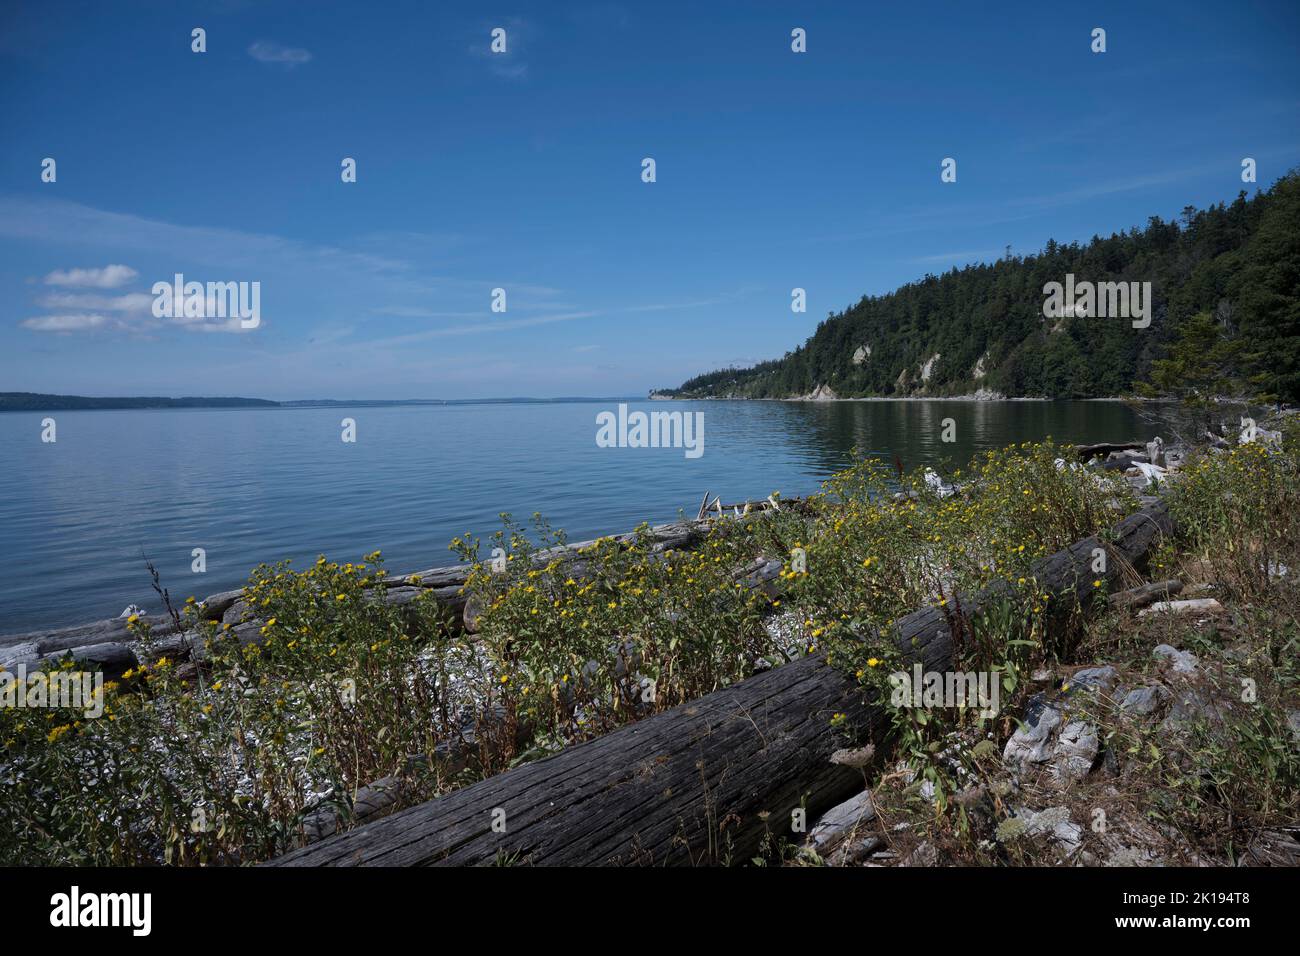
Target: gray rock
{"x": 923, "y": 855}
{"x": 1032, "y": 741}
{"x": 856, "y": 757}
{"x": 1076, "y": 751}
{"x": 1194, "y": 704}
{"x": 1099, "y": 678}
{"x": 1133, "y": 856}
{"x": 1055, "y": 823}
{"x": 1156, "y": 451}
{"x": 236, "y": 612}
{"x": 855, "y": 851}
{"x": 1141, "y": 701}
{"x": 471, "y": 614}
{"x": 838, "y": 821}
{"x": 214, "y": 606}
{"x": 1293, "y": 722}
{"x": 1184, "y": 662}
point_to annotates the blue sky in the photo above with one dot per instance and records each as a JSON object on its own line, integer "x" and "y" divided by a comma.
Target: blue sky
{"x": 523, "y": 171}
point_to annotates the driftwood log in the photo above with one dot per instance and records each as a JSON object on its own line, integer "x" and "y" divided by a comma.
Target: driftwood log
{"x": 104, "y": 645}
{"x": 1089, "y": 452}
{"x": 109, "y": 645}
{"x": 706, "y": 781}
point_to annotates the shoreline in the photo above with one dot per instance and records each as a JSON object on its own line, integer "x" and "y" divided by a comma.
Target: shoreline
{"x": 989, "y": 398}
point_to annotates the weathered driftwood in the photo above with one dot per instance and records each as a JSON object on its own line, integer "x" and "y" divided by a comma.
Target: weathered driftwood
{"x": 1146, "y": 594}
{"x": 705, "y": 781}
{"x": 1124, "y": 462}
{"x": 108, "y": 645}
{"x": 1088, "y": 452}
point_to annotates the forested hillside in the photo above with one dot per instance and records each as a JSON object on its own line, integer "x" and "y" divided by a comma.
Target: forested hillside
{"x": 1225, "y": 283}
{"x": 35, "y": 402}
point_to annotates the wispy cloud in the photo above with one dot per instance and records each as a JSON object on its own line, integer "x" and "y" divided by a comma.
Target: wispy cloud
{"x": 62, "y": 221}
{"x": 300, "y": 272}
{"x": 109, "y": 277}
{"x": 130, "y": 302}
{"x": 487, "y": 326}
{"x": 265, "y": 51}
{"x": 80, "y": 322}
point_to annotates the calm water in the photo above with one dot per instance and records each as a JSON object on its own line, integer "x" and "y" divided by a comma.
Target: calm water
{"x": 259, "y": 485}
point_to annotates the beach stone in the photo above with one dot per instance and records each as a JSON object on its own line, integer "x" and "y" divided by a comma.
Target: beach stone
{"x": 213, "y": 607}
{"x": 236, "y": 612}
{"x": 471, "y": 614}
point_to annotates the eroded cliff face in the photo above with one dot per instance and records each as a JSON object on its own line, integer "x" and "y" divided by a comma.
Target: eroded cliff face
{"x": 822, "y": 393}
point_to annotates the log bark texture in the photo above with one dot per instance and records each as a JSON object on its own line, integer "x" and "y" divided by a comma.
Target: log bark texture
{"x": 704, "y": 782}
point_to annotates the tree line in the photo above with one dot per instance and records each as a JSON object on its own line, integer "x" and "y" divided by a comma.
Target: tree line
{"x": 1226, "y": 322}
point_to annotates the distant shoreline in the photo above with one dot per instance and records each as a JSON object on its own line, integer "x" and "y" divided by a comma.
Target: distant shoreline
{"x": 983, "y": 399}
{"x": 38, "y": 402}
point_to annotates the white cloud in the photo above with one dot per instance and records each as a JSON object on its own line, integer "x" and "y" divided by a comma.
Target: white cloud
{"x": 109, "y": 277}
{"x": 131, "y": 312}
{"x": 65, "y": 323}
{"x": 139, "y": 302}
{"x": 264, "y": 51}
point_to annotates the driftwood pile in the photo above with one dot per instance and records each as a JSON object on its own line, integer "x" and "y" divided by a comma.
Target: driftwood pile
{"x": 708, "y": 780}
{"x": 110, "y": 646}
